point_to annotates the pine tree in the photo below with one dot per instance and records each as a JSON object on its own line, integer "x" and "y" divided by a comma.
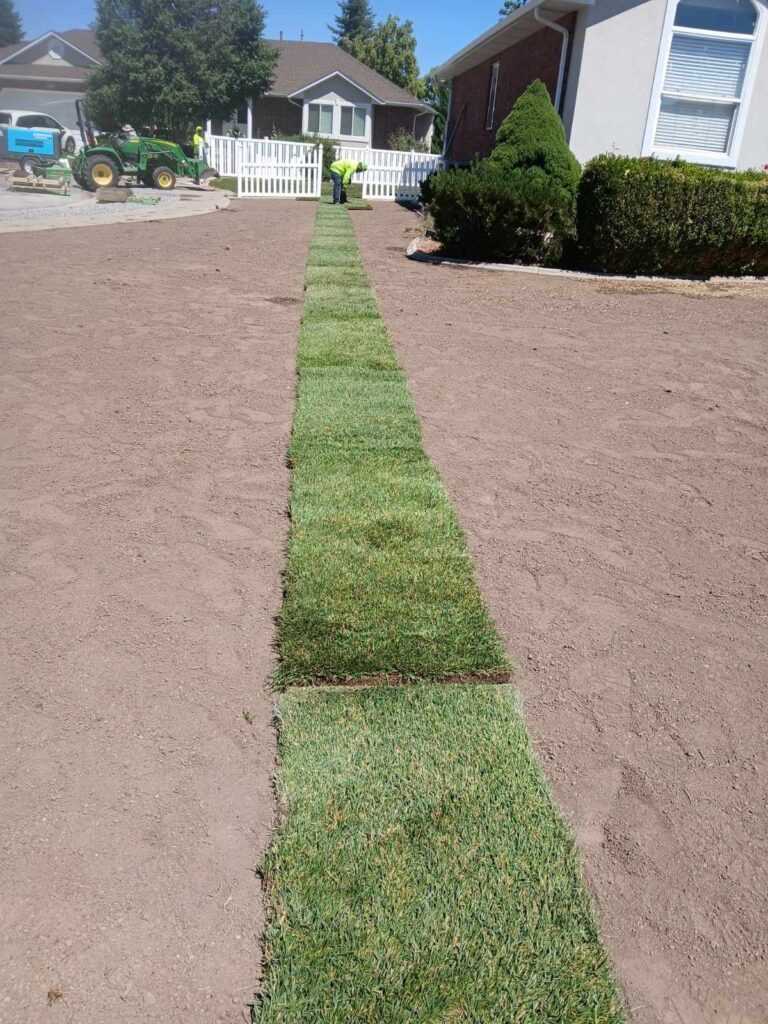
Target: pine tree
{"x": 173, "y": 64}
{"x": 354, "y": 21}
{"x": 10, "y": 24}
{"x": 391, "y": 50}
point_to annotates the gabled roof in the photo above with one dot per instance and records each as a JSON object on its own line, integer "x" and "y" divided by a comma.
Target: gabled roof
{"x": 510, "y": 30}
{"x": 82, "y": 39}
{"x": 301, "y": 65}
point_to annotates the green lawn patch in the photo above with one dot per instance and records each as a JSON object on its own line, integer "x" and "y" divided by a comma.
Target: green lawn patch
{"x": 225, "y": 183}
{"x": 422, "y": 873}
{"x": 379, "y": 582}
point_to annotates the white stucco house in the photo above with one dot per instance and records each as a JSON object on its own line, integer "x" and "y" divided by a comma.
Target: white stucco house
{"x": 661, "y": 78}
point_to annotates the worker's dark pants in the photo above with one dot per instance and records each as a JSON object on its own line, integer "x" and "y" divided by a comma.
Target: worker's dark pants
{"x": 336, "y": 179}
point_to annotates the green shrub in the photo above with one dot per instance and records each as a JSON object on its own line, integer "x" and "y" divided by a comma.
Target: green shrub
{"x": 327, "y": 145}
{"x": 639, "y": 216}
{"x": 407, "y": 142}
{"x": 532, "y": 137}
{"x": 491, "y": 213}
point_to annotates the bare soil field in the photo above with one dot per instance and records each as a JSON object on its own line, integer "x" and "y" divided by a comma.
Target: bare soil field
{"x": 149, "y": 376}
{"x": 606, "y": 446}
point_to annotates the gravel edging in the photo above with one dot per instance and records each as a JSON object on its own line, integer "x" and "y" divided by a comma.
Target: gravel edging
{"x": 182, "y": 203}
{"x": 414, "y": 253}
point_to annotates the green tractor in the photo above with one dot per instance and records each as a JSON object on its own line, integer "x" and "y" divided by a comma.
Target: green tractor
{"x": 153, "y": 162}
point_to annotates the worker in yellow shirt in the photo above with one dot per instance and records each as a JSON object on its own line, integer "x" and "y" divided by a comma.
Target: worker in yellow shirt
{"x": 341, "y": 176}
{"x": 198, "y": 141}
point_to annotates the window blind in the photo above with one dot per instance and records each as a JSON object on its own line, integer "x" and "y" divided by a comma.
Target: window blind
{"x": 688, "y": 124}
{"x": 320, "y": 119}
{"x": 706, "y": 67}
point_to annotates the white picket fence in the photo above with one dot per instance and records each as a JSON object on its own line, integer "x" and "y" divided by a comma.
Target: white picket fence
{"x": 267, "y": 167}
{"x": 392, "y": 174}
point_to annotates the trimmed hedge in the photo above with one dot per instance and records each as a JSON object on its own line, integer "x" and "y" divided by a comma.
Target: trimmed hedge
{"x": 491, "y": 213}
{"x": 532, "y": 137}
{"x": 640, "y": 216}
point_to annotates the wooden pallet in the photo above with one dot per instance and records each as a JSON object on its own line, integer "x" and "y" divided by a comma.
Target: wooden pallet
{"x": 31, "y": 183}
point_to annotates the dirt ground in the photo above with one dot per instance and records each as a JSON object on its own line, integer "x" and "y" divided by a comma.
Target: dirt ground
{"x": 606, "y": 446}
{"x": 148, "y": 393}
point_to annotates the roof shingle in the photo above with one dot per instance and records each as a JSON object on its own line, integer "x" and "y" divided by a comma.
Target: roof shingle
{"x": 300, "y": 64}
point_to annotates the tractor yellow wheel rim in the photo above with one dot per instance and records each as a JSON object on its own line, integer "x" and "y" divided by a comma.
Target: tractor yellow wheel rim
{"x": 102, "y": 174}
{"x": 164, "y": 179}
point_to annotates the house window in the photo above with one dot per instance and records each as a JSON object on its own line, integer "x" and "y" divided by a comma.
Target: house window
{"x": 491, "y": 111}
{"x": 320, "y": 119}
{"x": 353, "y": 122}
{"x": 702, "y": 87}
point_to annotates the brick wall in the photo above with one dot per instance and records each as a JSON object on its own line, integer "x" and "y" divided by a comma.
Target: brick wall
{"x": 275, "y": 114}
{"x": 538, "y": 56}
{"x": 387, "y": 120}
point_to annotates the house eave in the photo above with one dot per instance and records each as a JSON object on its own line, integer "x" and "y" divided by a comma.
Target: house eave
{"x": 333, "y": 74}
{"x": 49, "y": 35}
{"x": 505, "y": 33}
{"x": 7, "y": 73}
{"x": 424, "y": 108}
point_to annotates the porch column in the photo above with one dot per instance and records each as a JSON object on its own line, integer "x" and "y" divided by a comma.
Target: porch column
{"x": 249, "y": 120}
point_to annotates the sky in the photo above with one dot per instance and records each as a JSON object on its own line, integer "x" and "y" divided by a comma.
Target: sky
{"x": 442, "y": 26}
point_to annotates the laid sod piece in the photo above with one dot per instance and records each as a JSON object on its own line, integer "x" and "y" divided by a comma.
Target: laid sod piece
{"x": 422, "y": 873}
{"x": 379, "y": 584}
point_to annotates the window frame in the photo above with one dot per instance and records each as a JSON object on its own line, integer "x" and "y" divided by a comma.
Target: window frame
{"x": 319, "y": 105}
{"x": 353, "y": 107}
{"x": 741, "y": 104}
{"x": 493, "y": 88}
{"x": 335, "y": 133}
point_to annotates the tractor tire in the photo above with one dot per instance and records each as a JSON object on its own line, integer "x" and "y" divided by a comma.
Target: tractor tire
{"x": 163, "y": 178}
{"x": 100, "y": 172}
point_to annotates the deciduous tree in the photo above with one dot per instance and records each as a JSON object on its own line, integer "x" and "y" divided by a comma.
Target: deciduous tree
{"x": 391, "y": 50}
{"x": 509, "y": 6}
{"x": 173, "y": 64}
{"x": 435, "y": 93}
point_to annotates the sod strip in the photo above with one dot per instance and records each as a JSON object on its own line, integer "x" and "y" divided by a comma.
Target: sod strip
{"x": 422, "y": 873}
{"x": 379, "y": 583}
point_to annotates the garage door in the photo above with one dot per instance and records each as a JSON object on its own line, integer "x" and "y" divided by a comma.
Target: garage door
{"x": 60, "y": 105}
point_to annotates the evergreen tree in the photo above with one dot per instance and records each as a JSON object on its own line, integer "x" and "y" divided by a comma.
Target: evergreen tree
{"x": 10, "y": 24}
{"x": 354, "y": 20}
{"x": 509, "y": 6}
{"x": 171, "y": 65}
{"x": 391, "y": 50}
{"x": 532, "y": 138}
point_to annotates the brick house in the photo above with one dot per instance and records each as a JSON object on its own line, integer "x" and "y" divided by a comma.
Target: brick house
{"x": 663, "y": 78}
{"x": 319, "y": 89}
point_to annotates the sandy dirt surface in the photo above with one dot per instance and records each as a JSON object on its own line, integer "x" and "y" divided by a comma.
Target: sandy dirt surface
{"x": 606, "y": 446}
{"x": 149, "y": 378}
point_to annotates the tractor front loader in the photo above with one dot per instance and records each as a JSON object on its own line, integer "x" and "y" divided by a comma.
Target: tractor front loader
{"x": 153, "y": 162}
